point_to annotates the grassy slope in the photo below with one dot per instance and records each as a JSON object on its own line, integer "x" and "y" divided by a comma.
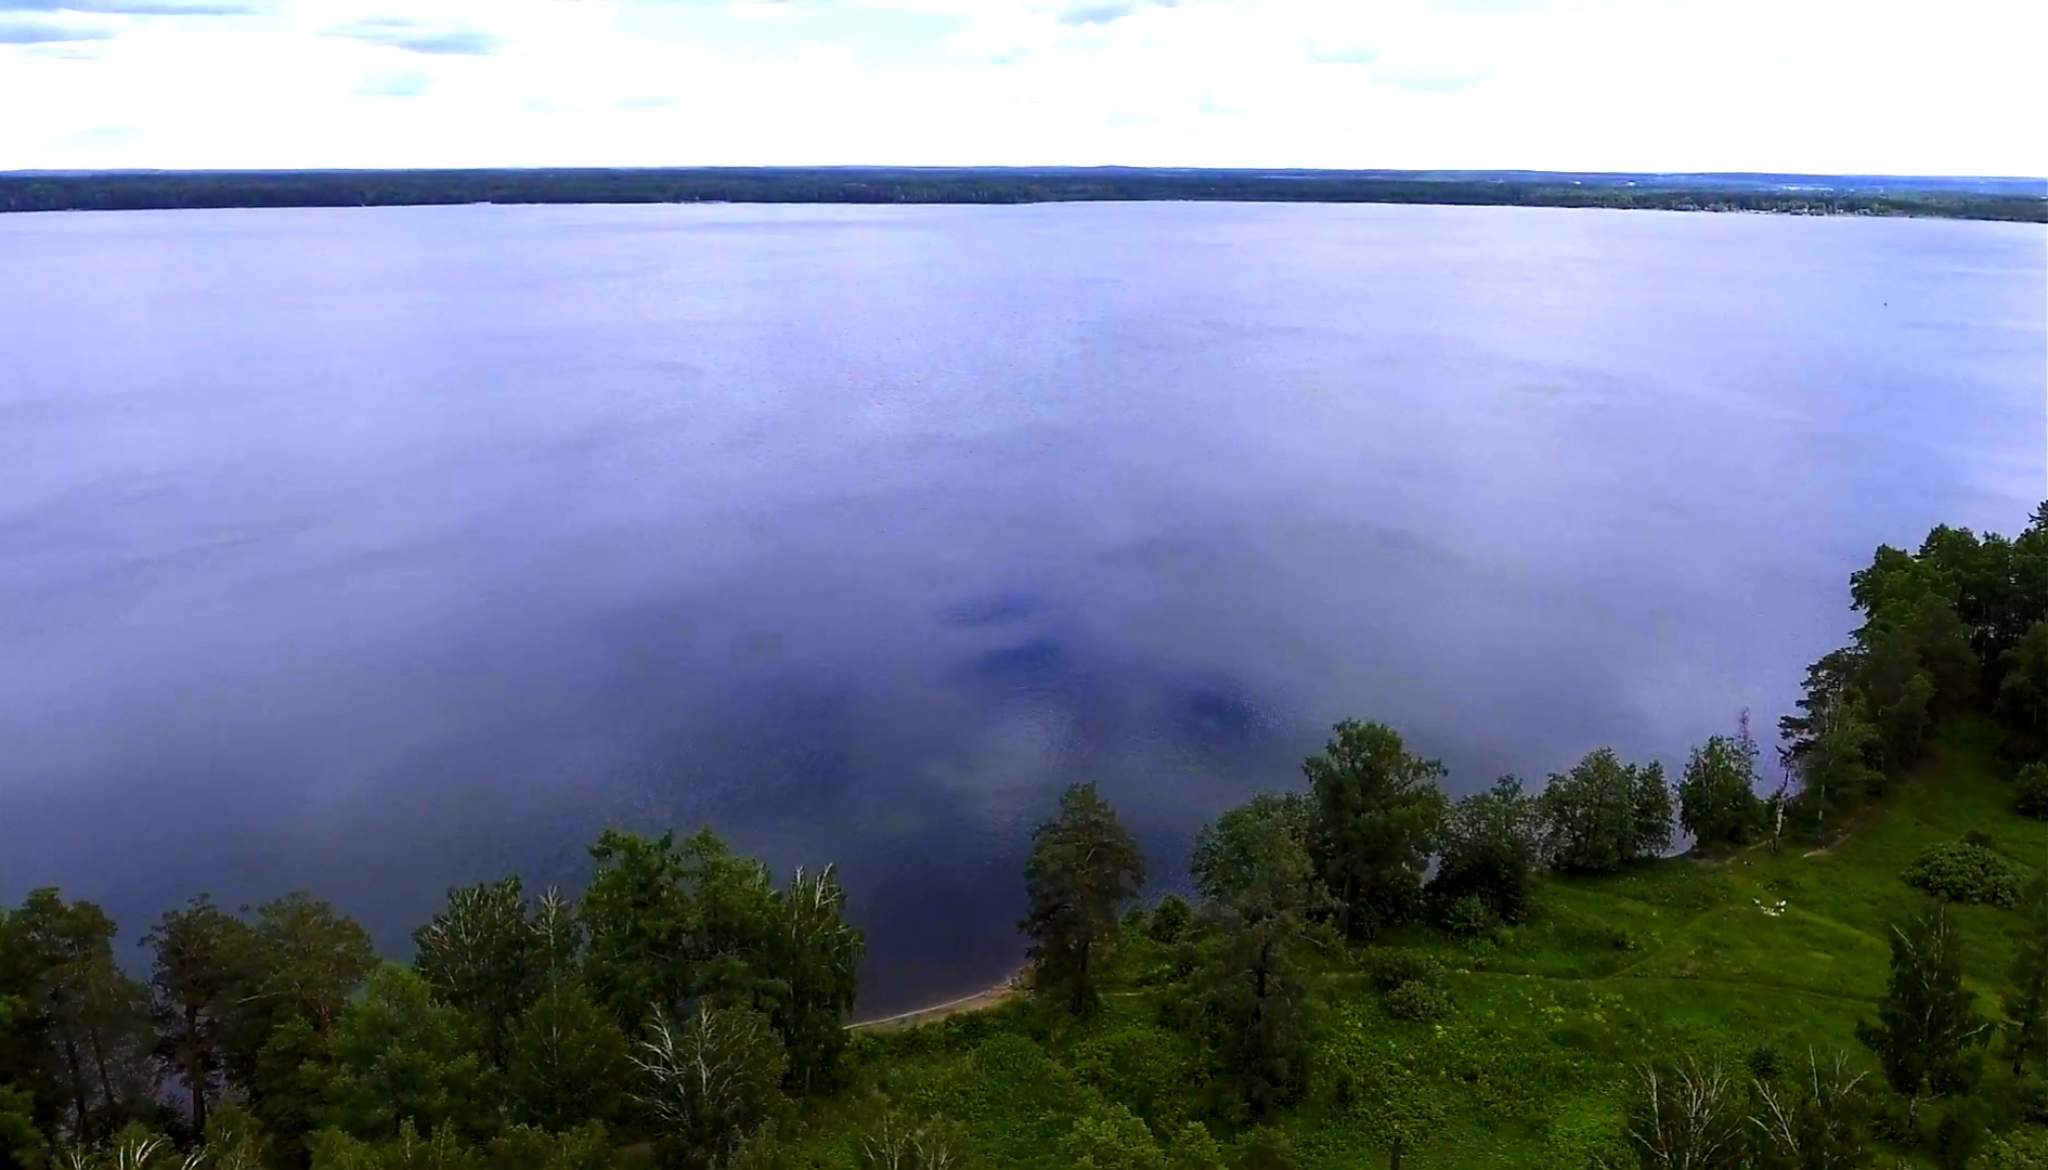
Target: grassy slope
{"x": 1527, "y": 1068}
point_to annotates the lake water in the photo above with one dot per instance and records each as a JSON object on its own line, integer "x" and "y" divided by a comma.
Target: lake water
{"x": 372, "y": 551}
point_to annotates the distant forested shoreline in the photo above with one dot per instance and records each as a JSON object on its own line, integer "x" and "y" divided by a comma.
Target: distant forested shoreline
{"x": 2012, "y": 199}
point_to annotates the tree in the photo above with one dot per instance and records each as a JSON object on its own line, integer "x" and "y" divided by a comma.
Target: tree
{"x": 565, "y": 1061}
{"x": 1254, "y": 996}
{"x": 817, "y": 960}
{"x": 1491, "y": 845}
{"x": 310, "y": 958}
{"x": 708, "y": 1081}
{"x": 1927, "y": 1026}
{"x": 1377, "y": 813}
{"x": 307, "y": 961}
{"x": 1682, "y": 1116}
{"x": 201, "y": 960}
{"x": 1084, "y": 867}
{"x": 2023, "y": 693}
{"x": 1113, "y": 1139}
{"x": 484, "y": 953}
{"x": 93, "y": 1016}
{"x": 21, "y": 1144}
{"x": 2026, "y": 1005}
{"x": 1817, "y": 1122}
{"x": 1717, "y": 801}
{"x": 670, "y": 923}
{"x": 1228, "y": 849}
{"x": 400, "y": 1056}
{"x": 1604, "y": 814}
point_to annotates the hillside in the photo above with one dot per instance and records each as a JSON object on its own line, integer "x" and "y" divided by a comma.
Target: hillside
{"x": 1528, "y": 1066}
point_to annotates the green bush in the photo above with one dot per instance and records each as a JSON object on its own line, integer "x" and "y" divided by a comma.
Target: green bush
{"x": 1965, "y": 871}
{"x": 1170, "y": 919}
{"x": 2031, "y": 797}
{"x": 1469, "y": 917}
{"x": 1389, "y": 969}
{"x": 1416, "y": 1000}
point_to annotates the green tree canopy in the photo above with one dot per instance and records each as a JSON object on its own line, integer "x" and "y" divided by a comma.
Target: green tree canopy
{"x": 1604, "y": 814}
{"x": 400, "y": 1056}
{"x": 201, "y": 957}
{"x": 1927, "y": 1029}
{"x": 1084, "y": 867}
{"x": 1377, "y": 813}
{"x": 1492, "y": 844}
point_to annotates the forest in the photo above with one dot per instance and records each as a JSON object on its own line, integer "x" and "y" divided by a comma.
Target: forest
{"x": 1845, "y": 968}
{"x": 1996, "y": 199}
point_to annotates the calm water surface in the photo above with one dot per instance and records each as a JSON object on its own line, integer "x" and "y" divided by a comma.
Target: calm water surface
{"x": 372, "y": 551}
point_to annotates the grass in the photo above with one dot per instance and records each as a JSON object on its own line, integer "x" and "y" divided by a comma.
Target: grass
{"x": 1547, "y": 1018}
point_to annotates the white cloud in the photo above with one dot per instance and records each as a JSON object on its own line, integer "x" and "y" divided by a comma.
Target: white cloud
{"x": 1809, "y": 85}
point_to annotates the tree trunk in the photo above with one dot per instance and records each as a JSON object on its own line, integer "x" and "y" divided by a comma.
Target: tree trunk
{"x": 99, "y": 1060}
{"x": 195, "y": 1072}
{"x": 1394, "y": 1161}
{"x": 77, "y": 1088}
{"x": 1079, "y": 1002}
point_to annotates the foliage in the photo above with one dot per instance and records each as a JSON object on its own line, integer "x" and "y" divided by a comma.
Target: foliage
{"x": 2026, "y": 1003}
{"x": 2023, "y": 692}
{"x": 1817, "y": 1121}
{"x": 667, "y": 923}
{"x": 408, "y": 1150}
{"x": 1377, "y": 815}
{"x": 21, "y": 1145}
{"x": 1418, "y": 1000}
{"x": 1965, "y": 871}
{"x": 1717, "y": 801}
{"x": 1230, "y": 850}
{"x": 488, "y": 954}
{"x": 401, "y": 1057}
{"x": 1927, "y": 1028}
{"x": 1084, "y": 867}
{"x": 1685, "y": 1113}
{"x": 1113, "y": 1139}
{"x": 816, "y": 960}
{"x": 95, "y": 1055}
{"x": 1604, "y": 814}
{"x": 565, "y": 1061}
{"x": 1170, "y": 920}
{"x": 708, "y": 1081}
{"x": 200, "y": 966}
{"x": 2030, "y": 791}
{"x": 1490, "y": 848}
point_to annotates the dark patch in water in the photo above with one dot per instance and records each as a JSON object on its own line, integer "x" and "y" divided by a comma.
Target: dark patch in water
{"x": 995, "y": 609}
{"x": 1039, "y": 659}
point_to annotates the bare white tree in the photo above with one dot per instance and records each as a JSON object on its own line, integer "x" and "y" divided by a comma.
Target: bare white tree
{"x": 1814, "y": 1126}
{"x": 1682, "y": 1116}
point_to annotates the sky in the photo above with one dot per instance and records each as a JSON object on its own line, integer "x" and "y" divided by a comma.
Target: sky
{"x": 1823, "y": 86}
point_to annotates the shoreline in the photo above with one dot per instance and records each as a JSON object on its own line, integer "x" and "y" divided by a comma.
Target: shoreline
{"x": 931, "y": 1013}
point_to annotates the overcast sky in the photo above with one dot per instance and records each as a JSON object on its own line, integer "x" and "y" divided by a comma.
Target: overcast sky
{"x": 1905, "y": 86}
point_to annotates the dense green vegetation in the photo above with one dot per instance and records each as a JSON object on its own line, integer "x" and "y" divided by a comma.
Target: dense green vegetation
{"x": 1850, "y": 972}
{"x": 2004, "y": 199}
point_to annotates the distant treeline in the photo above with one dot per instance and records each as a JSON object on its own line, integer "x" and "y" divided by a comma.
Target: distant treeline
{"x": 1996, "y": 199}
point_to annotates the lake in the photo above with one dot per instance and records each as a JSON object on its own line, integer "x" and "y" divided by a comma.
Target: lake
{"x": 374, "y": 551}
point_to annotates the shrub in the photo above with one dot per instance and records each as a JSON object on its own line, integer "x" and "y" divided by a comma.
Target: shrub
{"x": 2031, "y": 797}
{"x": 1965, "y": 871}
{"x": 1416, "y": 1000}
{"x": 1112, "y": 1140}
{"x": 1170, "y": 919}
{"x": 1267, "y": 1149}
{"x": 1468, "y": 917}
{"x": 1389, "y": 969}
